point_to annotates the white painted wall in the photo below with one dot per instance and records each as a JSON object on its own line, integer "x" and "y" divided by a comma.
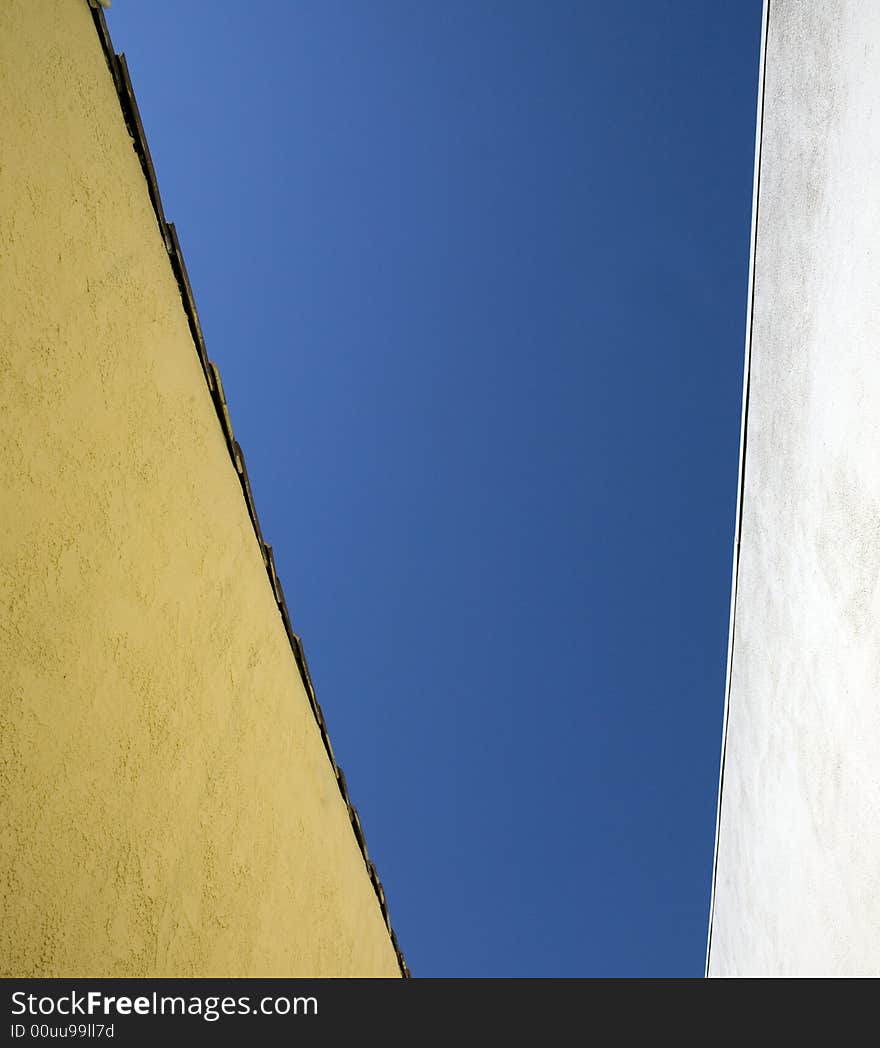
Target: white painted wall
{"x": 797, "y": 889}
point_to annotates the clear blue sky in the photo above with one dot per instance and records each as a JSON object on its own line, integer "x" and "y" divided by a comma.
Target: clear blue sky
{"x": 475, "y": 277}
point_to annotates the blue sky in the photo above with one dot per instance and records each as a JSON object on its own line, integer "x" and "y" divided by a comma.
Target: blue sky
{"x": 475, "y": 276}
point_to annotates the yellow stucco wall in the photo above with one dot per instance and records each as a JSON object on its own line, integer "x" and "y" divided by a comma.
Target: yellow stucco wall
{"x": 168, "y": 805}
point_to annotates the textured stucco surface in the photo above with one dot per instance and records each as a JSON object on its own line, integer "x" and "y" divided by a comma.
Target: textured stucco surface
{"x": 168, "y": 805}
{"x": 798, "y": 866}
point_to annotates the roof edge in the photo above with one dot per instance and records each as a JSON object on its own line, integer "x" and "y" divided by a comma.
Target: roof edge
{"x": 119, "y": 70}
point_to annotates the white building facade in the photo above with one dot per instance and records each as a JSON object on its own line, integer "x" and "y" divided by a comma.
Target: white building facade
{"x": 796, "y": 884}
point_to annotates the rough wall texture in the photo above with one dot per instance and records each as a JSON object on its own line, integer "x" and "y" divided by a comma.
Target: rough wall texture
{"x": 168, "y": 804}
{"x": 798, "y": 865}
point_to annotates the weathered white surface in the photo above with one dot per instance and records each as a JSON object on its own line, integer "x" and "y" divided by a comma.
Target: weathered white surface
{"x": 797, "y": 889}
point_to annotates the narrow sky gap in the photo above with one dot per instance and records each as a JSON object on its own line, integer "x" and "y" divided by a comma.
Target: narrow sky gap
{"x": 475, "y": 276}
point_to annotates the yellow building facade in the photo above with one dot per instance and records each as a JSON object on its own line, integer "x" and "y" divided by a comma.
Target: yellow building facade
{"x": 171, "y": 803}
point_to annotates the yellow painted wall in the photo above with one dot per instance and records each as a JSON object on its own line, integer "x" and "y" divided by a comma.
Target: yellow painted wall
{"x": 168, "y": 805}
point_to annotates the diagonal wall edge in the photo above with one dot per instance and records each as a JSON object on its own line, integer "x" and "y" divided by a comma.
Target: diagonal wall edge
{"x": 119, "y": 71}
{"x": 741, "y": 481}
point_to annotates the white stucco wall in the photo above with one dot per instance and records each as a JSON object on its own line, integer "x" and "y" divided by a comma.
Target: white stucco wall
{"x": 797, "y": 887}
